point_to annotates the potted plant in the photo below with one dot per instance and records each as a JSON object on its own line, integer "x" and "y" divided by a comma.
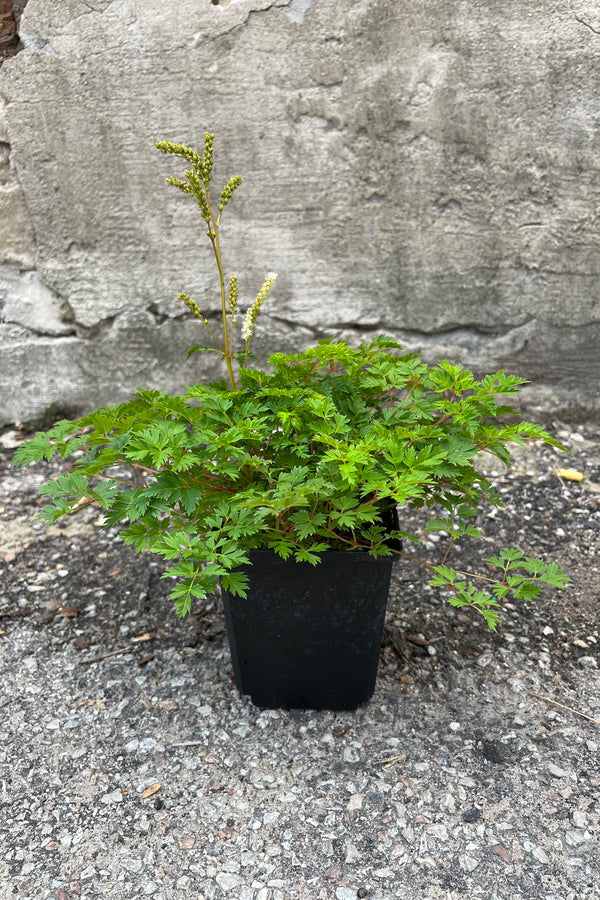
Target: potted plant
{"x": 282, "y": 486}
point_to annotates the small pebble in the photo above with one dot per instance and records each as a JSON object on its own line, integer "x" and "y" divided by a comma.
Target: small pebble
{"x": 440, "y": 832}
{"x": 468, "y": 863}
{"x": 228, "y": 881}
{"x": 498, "y": 850}
{"x": 471, "y": 815}
{"x": 485, "y": 659}
{"x": 574, "y": 838}
{"x": 132, "y": 865}
{"x": 113, "y": 797}
{"x": 587, "y": 662}
{"x": 350, "y": 754}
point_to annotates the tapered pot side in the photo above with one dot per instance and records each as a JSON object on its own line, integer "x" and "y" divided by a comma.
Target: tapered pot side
{"x": 309, "y": 637}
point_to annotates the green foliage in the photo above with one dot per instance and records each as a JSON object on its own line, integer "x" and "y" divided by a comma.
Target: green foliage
{"x": 302, "y": 459}
{"x": 521, "y": 586}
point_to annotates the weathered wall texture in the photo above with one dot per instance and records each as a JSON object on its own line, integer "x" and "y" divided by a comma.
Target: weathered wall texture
{"x": 428, "y": 169}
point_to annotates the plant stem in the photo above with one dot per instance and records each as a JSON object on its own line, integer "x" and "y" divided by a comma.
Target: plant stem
{"x": 414, "y": 558}
{"x": 450, "y": 545}
{"x": 214, "y": 239}
{"x": 448, "y": 549}
{"x": 215, "y": 339}
{"x": 458, "y": 571}
{"x": 212, "y": 484}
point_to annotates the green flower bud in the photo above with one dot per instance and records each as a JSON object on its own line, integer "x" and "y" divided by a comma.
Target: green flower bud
{"x": 192, "y": 306}
{"x": 228, "y": 190}
{"x": 207, "y": 160}
{"x": 181, "y": 184}
{"x": 179, "y": 150}
{"x": 233, "y": 293}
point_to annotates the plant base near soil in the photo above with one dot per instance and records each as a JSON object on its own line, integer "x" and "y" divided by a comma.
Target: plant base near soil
{"x": 459, "y": 779}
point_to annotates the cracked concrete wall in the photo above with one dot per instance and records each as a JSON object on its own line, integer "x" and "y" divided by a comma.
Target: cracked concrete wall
{"x": 426, "y": 169}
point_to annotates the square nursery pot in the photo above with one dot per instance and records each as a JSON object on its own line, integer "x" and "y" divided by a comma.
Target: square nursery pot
{"x": 309, "y": 637}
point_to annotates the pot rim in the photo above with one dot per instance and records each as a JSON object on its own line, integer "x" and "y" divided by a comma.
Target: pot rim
{"x": 352, "y": 556}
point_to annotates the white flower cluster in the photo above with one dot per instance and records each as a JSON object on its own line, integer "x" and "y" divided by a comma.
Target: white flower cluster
{"x": 252, "y": 314}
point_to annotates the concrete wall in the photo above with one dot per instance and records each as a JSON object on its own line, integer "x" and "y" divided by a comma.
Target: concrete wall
{"x": 428, "y": 169}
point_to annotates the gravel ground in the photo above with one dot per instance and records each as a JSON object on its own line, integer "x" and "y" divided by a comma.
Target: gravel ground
{"x": 130, "y": 767}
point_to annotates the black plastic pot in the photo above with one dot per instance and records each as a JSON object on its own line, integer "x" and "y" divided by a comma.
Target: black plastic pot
{"x": 309, "y": 637}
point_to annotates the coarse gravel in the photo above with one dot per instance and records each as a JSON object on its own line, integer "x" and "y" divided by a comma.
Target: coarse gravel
{"x": 130, "y": 766}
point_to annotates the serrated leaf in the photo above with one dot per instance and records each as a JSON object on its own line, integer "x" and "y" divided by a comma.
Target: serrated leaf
{"x": 444, "y": 575}
{"x": 495, "y": 561}
{"x": 199, "y": 347}
{"x": 438, "y": 525}
{"x": 528, "y": 590}
{"x": 511, "y": 554}
{"x": 282, "y": 547}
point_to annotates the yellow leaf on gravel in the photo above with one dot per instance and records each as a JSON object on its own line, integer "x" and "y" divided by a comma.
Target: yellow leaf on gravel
{"x": 151, "y": 790}
{"x": 569, "y": 474}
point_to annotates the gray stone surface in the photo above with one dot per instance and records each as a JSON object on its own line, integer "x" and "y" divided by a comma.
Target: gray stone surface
{"x": 427, "y": 169}
{"x": 130, "y": 766}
